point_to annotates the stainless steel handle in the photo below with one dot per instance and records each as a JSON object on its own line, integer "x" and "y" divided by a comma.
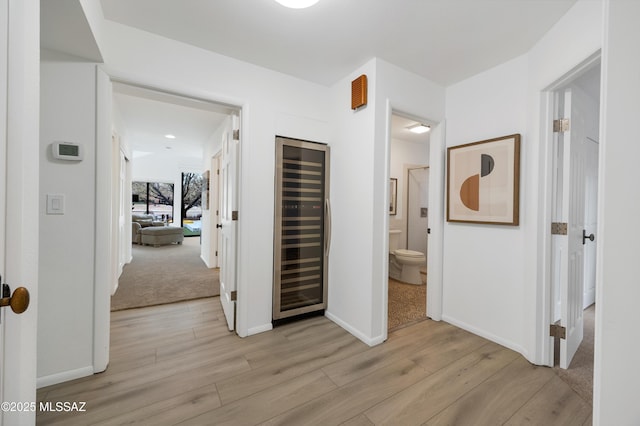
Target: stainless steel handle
{"x": 327, "y": 226}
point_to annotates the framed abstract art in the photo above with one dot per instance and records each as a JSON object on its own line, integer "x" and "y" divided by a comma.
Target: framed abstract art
{"x": 483, "y": 181}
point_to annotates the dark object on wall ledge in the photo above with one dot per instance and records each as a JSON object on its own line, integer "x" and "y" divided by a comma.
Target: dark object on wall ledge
{"x": 359, "y": 92}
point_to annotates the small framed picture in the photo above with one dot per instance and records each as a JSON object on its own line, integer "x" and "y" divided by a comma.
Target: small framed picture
{"x": 393, "y": 196}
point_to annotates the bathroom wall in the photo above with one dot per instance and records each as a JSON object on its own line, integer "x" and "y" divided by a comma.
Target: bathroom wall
{"x": 403, "y": 155}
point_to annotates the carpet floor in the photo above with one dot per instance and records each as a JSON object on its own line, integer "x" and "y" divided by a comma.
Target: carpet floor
{"x": 165, "y": 274}
{"x": 407, "y": 304}
{"x": 579, "y": 375}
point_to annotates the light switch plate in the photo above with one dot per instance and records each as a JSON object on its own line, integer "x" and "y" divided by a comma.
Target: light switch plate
{"x": 55, "y": 203}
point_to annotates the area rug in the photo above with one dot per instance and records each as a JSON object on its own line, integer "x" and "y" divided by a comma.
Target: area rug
{"x": 165, "y": 274}
{"x": 407, "y": 304}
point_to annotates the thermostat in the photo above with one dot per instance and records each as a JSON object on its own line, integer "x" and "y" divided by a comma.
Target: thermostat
{"x": 67, "y": 151}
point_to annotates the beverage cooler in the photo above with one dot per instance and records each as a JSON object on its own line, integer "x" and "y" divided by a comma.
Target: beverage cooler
{"x": 302, "y": 228}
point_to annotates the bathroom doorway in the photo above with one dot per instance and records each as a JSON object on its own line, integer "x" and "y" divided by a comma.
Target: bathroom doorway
{"x": 408, "y": 220}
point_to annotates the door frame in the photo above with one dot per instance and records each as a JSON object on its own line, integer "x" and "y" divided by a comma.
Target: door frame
{"x": 548, "y": 105}
{"x": 22, "y": 113}
{"x": 435, "y": 243}
{"x": 104, "y": 274}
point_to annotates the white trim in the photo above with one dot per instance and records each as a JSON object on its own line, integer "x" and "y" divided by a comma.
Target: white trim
{"x": 357, "y": 333}
{"x": 104, "y": 271}
{"x": 65, "y": 376}
{"x": 489, "y": 336}
{"x": 543, "y": 351}
{"x": 259, "y": 329}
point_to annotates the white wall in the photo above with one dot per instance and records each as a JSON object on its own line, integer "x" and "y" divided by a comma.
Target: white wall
{"x": 486, "y": 295}
{"x": 358, "y": 261}
{"x": 273, "y": 103}
{"x": 502, "y": 300}
{"x": 66, "y": 275}
{"x": 617, "y": 375}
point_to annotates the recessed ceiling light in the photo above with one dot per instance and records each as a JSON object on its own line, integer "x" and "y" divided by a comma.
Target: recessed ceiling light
{"x": 168, "y": 147}
{"x": 170, "y": 136}
{"x": 297, "y": 4}
{"x": 419, "y": 128}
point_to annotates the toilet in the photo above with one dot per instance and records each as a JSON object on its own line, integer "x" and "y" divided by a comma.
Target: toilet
{"x": 404, "y": 265}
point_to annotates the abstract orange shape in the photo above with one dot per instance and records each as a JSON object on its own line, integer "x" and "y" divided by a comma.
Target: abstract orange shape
{"x": 470, "y": 192}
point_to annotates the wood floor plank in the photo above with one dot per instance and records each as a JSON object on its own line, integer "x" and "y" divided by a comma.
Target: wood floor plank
{"x": 418, "y": 403}
{"x": 352, "y": 399}
{"x": 169, "y": 411}
{"x": 268, "y": 403}
{"x": 555, "y": 404}
{"x": 285, "y": 369}
{"x": 498, "y": 398}
{"x": 360, "y": 420}
{"x": 396, "y": 348}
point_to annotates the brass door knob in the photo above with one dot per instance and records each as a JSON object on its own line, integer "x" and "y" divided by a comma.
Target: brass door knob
{"x": 19, "y": 300}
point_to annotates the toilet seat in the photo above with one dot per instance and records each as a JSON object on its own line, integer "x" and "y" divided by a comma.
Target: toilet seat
{"x": 408, "y": 253}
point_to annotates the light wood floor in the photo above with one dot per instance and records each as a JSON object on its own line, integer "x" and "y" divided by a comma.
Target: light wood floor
{"x": 178, "y": 364}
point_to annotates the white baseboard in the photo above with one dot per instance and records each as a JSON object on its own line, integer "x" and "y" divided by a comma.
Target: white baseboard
{"x": 489, "y": 336}
{"x": 259, "y": 329}
{"x": 371, "y": 341}
{"x": 65, "y": 376}
{"x": 205, "y": 262}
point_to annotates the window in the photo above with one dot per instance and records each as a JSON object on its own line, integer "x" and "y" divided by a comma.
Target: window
{"x": 154, "y": 198}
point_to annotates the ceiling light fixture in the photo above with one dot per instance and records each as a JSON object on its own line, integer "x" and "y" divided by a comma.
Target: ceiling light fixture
{"x": 170, "y": 136}
{"x": 419, "y": 128}
{"x": 297, "y": 4}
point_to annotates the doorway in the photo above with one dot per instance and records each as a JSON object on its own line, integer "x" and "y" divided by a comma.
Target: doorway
{"x": 408, "y": 220}
{"x": 576, "y": 105}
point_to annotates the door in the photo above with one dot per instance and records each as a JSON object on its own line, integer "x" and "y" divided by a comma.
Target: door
{"x": 574, "y": 149}
{"x": 229, "y": 223}
{"x": 417, "y": 208}
{"x": 19, "y": 200}
{"x": 591, "y": 221}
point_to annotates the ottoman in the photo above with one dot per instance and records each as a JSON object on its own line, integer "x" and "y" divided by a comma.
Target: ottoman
{"x": 159, "y": 235}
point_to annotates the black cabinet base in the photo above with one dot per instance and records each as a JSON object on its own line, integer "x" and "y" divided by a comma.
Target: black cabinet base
{"x": 278, "y": 322}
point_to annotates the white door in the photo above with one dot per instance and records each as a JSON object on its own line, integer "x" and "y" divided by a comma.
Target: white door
{"x": 229, "y": 223}
{"x": 417, "y": 208}
{"x": 3, "y": 154}
{"x": 591, "y": 221}
{"x": 19, "y": 140}
{"x": 573, "y": 209}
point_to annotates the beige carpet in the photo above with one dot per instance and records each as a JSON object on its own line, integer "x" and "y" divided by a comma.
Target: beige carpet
{"x": 579, "y": 375}
{"x": 407, "y": 304}
{"x": 165, "y": 274}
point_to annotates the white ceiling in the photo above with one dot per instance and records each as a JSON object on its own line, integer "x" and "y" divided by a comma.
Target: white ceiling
{"x": 399, "y": 129}
{"x": 443, "y": 40}
{"x": 149, "y": 115}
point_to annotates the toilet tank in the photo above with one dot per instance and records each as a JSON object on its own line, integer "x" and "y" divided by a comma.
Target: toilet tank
{"x": 394, "y": 239}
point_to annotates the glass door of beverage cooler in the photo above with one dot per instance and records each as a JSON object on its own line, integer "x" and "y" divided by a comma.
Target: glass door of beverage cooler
{"x": 302, "y": 227}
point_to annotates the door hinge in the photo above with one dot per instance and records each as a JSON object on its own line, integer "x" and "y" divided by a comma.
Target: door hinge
{"x": 217, "y": 213}
{"x": 234, "y": 215}
{"x": 556, "y": 330}
{"x": 236, "y": 135}
{"x": 234, "y": 296}
{"x": 561, "y": 125}
{"x": 217, "y": 171}
{"x": 558, "y": 228}
{"x": 216, "y": 253}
